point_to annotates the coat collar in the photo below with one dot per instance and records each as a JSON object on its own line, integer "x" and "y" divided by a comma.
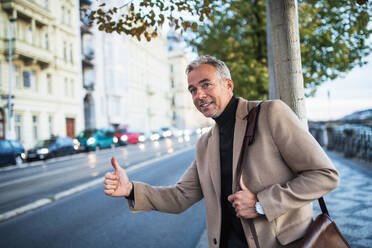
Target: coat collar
{"x": 214, "y": 149}
{"x": 239, "y": 131}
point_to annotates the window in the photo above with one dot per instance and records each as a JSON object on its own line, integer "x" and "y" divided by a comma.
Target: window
{"x": 63, "y": 14}
{"x": 50, "y": 123}
{"x": 65, "y": 51}
{"x": 173, "y": 101}
{"x": 172, "y": 83}
{"x": 18, "y": 126}
{"x": 71, "y": 54}
{"x": 34, "y": 127}
{"x": 66, "y": 87}
{"x": 49, "y": 84}
{"x": 46, "y": 4}
{"x": 171, "y": 68}
{"x": 29, "y": 35}
{"x": 116, "y": 106}
{"x": 72, "y": 92}
{"x": 69, "y": 17}
{"x": 29, "y": 79}
{"x": 16, "y": 83}
{"x": 46, "y": 41}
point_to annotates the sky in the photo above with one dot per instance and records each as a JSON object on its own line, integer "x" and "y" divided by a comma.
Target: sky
{"x": 347, "y": 95}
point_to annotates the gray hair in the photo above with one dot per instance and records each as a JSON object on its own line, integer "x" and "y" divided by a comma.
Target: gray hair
{"x": 221, "y": 69}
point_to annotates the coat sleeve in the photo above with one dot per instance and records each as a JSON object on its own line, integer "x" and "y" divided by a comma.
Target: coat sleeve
{"x": 314, "y": 173}
{"x": 173, "y": 199}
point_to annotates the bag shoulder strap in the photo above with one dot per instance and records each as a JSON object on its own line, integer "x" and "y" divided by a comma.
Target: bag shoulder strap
{"x": 323, "y": 206}
{"x": 248, "y": 140}
{"x": 250, "y": 131}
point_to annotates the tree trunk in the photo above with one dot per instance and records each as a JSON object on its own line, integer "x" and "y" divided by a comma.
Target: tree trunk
{"x": 287, "y": 56}
{"x": 270, "y": 57}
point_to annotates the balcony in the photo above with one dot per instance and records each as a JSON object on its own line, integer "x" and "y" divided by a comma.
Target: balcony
{"x": 89, "y": 86}
{"x": 85, "y": 3}
{"x": 29, "y": 53}
{"x": 27, "y": 10}
{"x": 85, "y": 29}
{"x": 88, "y": 56}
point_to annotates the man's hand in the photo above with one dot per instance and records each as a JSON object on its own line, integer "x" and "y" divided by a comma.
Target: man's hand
{"x": 117, "y": 183}
{"x": 244, "y": 202}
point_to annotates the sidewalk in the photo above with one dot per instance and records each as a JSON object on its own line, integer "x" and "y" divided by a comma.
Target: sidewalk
{"x": 203, "y": 242}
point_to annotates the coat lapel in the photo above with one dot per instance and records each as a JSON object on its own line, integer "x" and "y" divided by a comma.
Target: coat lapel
{"x": 214, "y": 161}
{"x": 239, "y": 131}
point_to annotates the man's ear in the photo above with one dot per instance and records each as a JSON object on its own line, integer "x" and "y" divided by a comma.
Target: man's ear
{"x": 230, "y": 84}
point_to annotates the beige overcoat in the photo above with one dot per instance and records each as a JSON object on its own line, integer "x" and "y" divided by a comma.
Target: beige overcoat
{"x": 285, "y": 167}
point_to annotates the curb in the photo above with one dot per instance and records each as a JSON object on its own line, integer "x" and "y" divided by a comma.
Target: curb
{"x": 45, "y": 201}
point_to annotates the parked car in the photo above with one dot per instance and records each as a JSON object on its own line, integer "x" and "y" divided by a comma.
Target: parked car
{"x": 166, "y": 132}
{"x": 154, "y": 135}
{"x": 127, "y": 136}
{"x": 50, "y": 148}
{"x": 11, "y": 152}
{"x": 95, "y": 139}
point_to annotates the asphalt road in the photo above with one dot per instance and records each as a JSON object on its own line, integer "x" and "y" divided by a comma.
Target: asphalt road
{"x": 44, "y": 179}
{"x": 91, "y": 219}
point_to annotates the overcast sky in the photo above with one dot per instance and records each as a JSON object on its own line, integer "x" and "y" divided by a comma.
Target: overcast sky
{"x": 347, "y": 95}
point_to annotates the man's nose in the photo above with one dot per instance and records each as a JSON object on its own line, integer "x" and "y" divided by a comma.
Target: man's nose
{"x": 201, "y": 94}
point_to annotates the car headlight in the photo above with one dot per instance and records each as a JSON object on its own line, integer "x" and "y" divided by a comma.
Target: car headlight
{"x": 43, "y": 151}
{"x": 115, "y": 140}
{"x": 141, "y": 138}
{"x": 23, "y": 156}
{"x": 91, "y": 141}
{"x": 124, "y": 138}
{"x": 76, "y": 142}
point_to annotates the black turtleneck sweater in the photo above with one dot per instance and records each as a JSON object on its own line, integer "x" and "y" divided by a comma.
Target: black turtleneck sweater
{"x": 232, "y": 233}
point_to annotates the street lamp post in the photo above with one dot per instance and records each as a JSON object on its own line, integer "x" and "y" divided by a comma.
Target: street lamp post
{"x": 10, "y": 134}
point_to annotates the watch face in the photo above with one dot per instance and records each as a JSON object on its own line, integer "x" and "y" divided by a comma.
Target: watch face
{"x": 259, "y": 208}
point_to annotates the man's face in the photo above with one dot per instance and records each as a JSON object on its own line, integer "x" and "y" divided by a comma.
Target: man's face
{"x": 210, "y": 94}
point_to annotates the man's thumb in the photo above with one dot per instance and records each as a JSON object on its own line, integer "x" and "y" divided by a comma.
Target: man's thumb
{"x": 115, "y": 164}
{"x": 242, "y": 185}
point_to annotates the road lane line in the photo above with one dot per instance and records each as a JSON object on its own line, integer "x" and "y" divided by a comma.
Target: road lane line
{"x": 42, "y": 202}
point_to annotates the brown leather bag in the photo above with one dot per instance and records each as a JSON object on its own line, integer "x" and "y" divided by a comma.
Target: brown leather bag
{"x": 323, "y": 233}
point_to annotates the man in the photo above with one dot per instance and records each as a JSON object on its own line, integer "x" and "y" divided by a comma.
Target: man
{"x": 284, "y": 170}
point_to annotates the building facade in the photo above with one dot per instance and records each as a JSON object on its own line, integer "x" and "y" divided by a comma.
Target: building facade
{"x": 126, "y": 81}
{"x": 45, "y": 74}
{"x": 184, "y": 113}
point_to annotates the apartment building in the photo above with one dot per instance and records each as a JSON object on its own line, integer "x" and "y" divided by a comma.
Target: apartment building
{"x": 126, "y": 81}
{"x": 184, "y": 113}
{"x": 45, "y": 74}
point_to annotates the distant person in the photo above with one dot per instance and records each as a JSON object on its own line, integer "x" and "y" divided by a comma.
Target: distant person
{"x": 284, "y": 172}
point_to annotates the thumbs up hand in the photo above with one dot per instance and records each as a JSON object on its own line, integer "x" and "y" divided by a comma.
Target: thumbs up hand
{"x": 244, "y": 202}
{"x": 117, "y": 183}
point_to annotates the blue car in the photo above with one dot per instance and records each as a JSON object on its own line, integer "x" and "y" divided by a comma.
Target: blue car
{"x": 95, "y": 139}
{"x": 50, "y": 148}
{"x": 11, "y": 152}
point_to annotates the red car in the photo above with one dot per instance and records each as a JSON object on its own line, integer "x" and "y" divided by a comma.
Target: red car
{"x": 125, "y": 136}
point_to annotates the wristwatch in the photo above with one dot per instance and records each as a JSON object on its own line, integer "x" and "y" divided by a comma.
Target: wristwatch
{"x": 259, "y": 208}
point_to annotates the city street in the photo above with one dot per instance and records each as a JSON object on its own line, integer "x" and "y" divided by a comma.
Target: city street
{"x": 88, "y": 218}
{"x": 91, "y": 219}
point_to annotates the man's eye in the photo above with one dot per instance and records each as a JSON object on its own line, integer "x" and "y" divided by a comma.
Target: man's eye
{"x": 192, "y": 91}
{"x": 206, "y": 85}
